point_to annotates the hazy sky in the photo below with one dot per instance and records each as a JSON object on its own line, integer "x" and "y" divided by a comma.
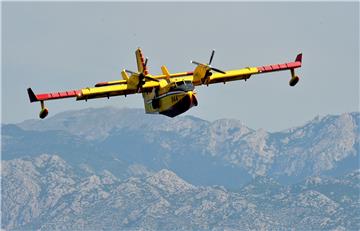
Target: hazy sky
{"x": 64, "y": 46}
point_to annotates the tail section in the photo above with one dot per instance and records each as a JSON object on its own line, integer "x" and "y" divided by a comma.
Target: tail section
{"x": 141, "y": 62}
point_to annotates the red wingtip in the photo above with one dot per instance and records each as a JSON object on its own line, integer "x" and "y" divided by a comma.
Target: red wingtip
{"x": 298, "y": 58}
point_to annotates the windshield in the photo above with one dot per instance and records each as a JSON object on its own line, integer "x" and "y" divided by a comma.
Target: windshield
{"x": 183, "y": 86}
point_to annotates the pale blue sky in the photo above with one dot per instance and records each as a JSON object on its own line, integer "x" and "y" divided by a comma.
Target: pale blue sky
{"x": 63, "y": 46}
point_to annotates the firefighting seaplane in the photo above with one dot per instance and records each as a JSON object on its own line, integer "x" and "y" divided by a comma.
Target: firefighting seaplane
{"x": 167, "y": 94}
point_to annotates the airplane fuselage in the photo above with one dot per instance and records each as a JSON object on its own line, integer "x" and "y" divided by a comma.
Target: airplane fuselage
{"x": 179, "y": 98}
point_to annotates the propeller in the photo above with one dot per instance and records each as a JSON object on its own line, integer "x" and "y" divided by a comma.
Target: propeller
{"x": 142, "y": 76}
{"x": 209, "y": 64}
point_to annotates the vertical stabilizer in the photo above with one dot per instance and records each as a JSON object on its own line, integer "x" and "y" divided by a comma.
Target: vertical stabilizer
{"x": 141, "y": 62}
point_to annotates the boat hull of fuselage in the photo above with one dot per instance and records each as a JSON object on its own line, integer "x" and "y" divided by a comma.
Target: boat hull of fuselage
{"x": 171, "y": 104}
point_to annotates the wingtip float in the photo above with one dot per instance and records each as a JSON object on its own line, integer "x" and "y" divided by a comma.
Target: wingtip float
{"x": 167, "y": 94}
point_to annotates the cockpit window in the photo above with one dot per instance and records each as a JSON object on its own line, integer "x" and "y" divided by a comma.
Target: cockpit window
{"x": 183, "y": 86}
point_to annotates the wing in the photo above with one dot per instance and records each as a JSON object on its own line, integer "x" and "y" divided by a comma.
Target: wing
{"x": 121, "y": 88}
{"x": 245, "y": 73}
{"x": 232, "y": 75}
{"x": 115, "y": 90}
{"x": 107, "y": 89}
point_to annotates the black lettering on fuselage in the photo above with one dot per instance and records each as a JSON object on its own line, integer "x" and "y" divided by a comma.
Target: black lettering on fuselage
{"x": 174, "y": 98}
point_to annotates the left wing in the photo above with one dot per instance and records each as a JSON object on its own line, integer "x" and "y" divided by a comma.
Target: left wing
{"x": 245, "y": 73}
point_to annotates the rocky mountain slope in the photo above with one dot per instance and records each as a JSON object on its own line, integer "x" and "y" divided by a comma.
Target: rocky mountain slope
{"x": 119, "y": 169}
{"x": 46, "y": 193}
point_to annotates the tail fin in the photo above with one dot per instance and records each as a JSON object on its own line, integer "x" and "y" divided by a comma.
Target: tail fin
{"x": 141, "y": 62}
{"x": 299, "y": 58}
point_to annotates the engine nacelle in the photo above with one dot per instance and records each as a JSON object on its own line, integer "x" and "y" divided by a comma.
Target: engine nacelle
{"x": 200, "y": 73}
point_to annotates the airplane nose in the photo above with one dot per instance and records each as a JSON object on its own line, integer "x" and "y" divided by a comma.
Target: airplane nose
{"x": 193, "y": 100}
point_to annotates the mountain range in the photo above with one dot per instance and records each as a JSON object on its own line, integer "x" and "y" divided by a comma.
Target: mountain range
{"x": 46, "y": 193}
{"x": 111, "y": 168}
{"x": 224, "y": 152}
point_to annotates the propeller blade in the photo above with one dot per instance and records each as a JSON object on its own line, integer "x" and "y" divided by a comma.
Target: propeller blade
{"x": 212, "y": 56}
{"x": 141, "y": 82}
{"x": 131, "y": 72}
{"x": 217, "y": 70}
{"x": 145, "y": 63}
{"x": 139, "y": 88}
{"x": 196, "y": 63}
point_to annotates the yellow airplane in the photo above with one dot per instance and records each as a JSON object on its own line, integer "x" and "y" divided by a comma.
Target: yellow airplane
{"x": 167, "y": 94}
